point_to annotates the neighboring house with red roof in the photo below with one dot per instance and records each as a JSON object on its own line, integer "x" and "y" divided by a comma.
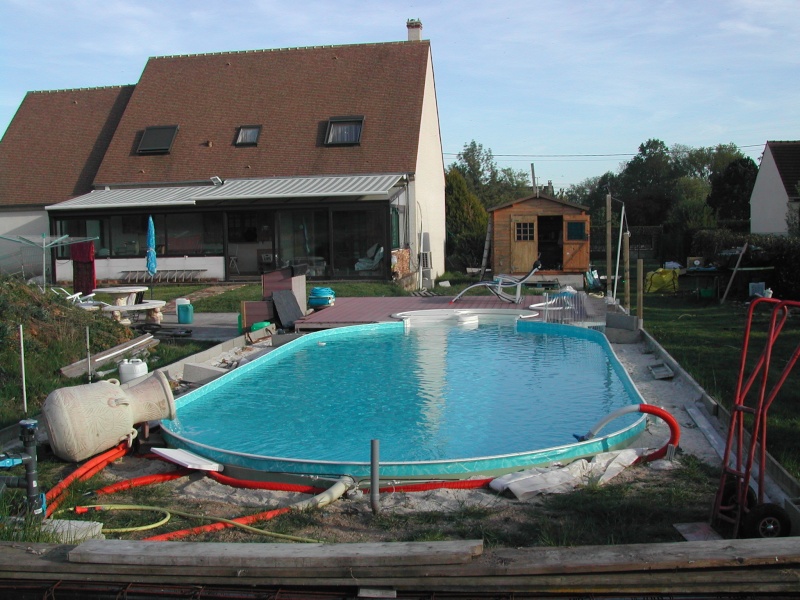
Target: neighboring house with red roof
{"x": 775, "y": 192}
{"x": 328, "y": 157}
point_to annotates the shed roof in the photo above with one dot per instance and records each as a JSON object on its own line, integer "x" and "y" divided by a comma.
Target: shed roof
{"x": 539, "y": 196}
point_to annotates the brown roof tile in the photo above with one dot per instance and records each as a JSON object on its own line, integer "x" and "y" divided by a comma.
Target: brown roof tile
{"x": 53, "y": 147}
{"x": 292, "y": 93}
{"x": 787, "y": 159}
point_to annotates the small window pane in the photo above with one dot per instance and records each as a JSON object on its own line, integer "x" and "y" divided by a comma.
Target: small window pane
{"x": 576, "y": 231}
{"x": 248, "y": 136}
{"x": 157, "y": 140}
{"x": 525, "y": 232}
{"x": 344, "y": 131}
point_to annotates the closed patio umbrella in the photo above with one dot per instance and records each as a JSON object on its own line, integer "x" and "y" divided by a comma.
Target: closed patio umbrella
{"x": 150, "y": 255}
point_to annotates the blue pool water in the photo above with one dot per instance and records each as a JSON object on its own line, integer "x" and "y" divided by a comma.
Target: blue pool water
{"x": 441, "y": 398}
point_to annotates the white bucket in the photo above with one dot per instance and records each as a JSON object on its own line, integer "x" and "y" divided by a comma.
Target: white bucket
{"x": 180, "y": 301}
{"x": 131, "y": 369}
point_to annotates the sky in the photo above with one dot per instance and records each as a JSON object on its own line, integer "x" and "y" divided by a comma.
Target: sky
{"x": 573, "y": 87}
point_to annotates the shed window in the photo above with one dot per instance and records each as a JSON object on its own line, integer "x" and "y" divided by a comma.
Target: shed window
{"x": 576, "y": 231}
{"x": 344, "y": 131}
{"x": 157, "y": 140}
{"x": 248, "y": 135}
{"x": 525, "y": 232}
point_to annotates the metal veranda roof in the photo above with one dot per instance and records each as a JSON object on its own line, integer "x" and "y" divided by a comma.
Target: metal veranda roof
{"x": 362, "y": 187}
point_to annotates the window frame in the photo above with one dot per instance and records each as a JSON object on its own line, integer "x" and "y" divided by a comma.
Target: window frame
{"x": 146, "y": 146}
{"x": 239, "y": 143}
{"x": 333, "y": 122}
{"x": 524, "y": 231}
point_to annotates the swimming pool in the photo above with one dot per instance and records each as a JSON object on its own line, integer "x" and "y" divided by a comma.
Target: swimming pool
{"x": 448, "y": 394}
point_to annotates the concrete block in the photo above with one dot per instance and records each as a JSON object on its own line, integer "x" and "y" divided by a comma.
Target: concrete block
{"x": 197, "y": 373}
{"x": 74, "y": 532}
{"x": 622, "y": 321}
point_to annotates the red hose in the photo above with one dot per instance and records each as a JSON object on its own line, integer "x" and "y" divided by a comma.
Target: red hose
{"x": 264, "y": 485}
{"x": 247, "y": 520}
{"x": 674, "y": 431}
{"x": 142, "y": 481}
{"x": 54, "y": 495}
{"x": 120, "y": 452}
{"x": 469, "y": 484}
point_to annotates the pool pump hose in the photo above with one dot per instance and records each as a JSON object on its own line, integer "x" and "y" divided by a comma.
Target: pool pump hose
{"x": 674, "y": 428}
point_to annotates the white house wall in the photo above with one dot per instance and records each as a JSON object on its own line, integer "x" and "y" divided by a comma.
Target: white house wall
{"x": 113, "y": 269}
{"x": 29, "y": 223}
{"x": 428, "y": 186}
{"x": 768, "y": 202}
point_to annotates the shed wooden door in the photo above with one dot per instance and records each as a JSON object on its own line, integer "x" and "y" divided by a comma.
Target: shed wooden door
{"x": 524, "y": 244}
{"x": 576, "y": 243}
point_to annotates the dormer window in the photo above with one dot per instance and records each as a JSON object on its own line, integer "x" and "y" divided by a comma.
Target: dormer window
{"x": 248, "y": 135}
{"x": 157, "y": 140}
{"x": 344, "y": 131}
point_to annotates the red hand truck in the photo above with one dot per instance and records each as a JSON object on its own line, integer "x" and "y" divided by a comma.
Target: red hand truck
{"x": 736, "y": 504}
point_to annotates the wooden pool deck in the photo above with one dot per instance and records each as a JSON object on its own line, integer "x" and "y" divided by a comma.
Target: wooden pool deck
{"x": 360, "y": 311}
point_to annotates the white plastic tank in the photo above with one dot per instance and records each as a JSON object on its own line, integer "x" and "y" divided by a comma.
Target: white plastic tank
{"x": 131, "y": 369}
{"x": 179, "y": 301}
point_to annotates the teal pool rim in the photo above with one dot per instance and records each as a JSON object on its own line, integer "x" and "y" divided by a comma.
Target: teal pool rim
{"x": 416, "y": 470}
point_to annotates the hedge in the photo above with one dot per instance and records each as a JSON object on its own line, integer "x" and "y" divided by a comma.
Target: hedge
{"x": 781, "y": 252}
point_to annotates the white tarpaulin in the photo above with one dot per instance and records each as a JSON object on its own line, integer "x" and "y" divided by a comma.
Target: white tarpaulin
{"x": 560, "y": 479}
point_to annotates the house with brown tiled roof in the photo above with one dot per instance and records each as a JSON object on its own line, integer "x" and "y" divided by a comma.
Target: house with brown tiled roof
{"x": 326, "y": 158}
{"x": 775, "y": 192}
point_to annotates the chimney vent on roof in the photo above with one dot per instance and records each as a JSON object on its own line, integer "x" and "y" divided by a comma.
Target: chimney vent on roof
{"x": 414, "y": 30}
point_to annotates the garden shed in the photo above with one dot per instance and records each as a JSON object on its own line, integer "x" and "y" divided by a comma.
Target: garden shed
{"x": 540, "y": 225}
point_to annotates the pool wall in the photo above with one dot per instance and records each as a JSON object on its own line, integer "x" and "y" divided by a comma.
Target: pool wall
{"x": 435, "y": 469}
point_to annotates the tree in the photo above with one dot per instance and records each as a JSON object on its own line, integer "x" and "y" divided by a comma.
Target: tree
{"x": 646, "y": 184}
{"x": 731, "y": 189}
{"x": 690, "y": 210}
{"x": 492, "y": 186}
{"x": 465, "y": 221}
{"x": 592, "y": 192}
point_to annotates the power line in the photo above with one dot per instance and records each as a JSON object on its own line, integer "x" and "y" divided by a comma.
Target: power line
{"x": 580, "y": 156}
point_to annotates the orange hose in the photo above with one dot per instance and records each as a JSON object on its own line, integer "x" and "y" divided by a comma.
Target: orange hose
{"x": 469, "y": 484}
{"x": 53, "y": 496}
{"x": 142, "y": 481}
{"x": 247, "y": 520}
{"x": 103, "y": 464}
{"x": 264, "y": 485}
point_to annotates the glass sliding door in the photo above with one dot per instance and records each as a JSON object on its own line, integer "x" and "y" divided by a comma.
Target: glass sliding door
{"x": 359, "y": 239}
{"x": 303, "y": 239}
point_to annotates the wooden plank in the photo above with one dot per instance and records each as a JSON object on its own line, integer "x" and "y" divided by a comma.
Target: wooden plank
{"x": 701, "y": 554}
{"x": 135, "y": 345}
{"x": 286, "y": 307}
{"x": 255, "y": 312}
{"x": 487, "y": 573}
{"x": 125, "y": 552}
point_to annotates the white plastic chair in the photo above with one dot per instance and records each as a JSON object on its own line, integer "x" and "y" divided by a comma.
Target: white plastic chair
{"x": 233, "y": 262}
{"x": 500, "y": 282}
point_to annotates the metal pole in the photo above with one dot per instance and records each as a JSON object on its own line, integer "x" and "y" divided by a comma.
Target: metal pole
{"x": 22, "y": 370}
{"x": 374, "y": 476}
{"x": 28, "y": 429}
{"x": 608, "y": 245}
{"x": 735, "y": 269}
{"x": 640, "y": 290}
{"x": 626, "y": 253}
{"x": 88, "y": 356}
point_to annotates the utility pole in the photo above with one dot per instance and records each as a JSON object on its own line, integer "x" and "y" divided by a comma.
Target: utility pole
{"x": 608, "y": 245}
